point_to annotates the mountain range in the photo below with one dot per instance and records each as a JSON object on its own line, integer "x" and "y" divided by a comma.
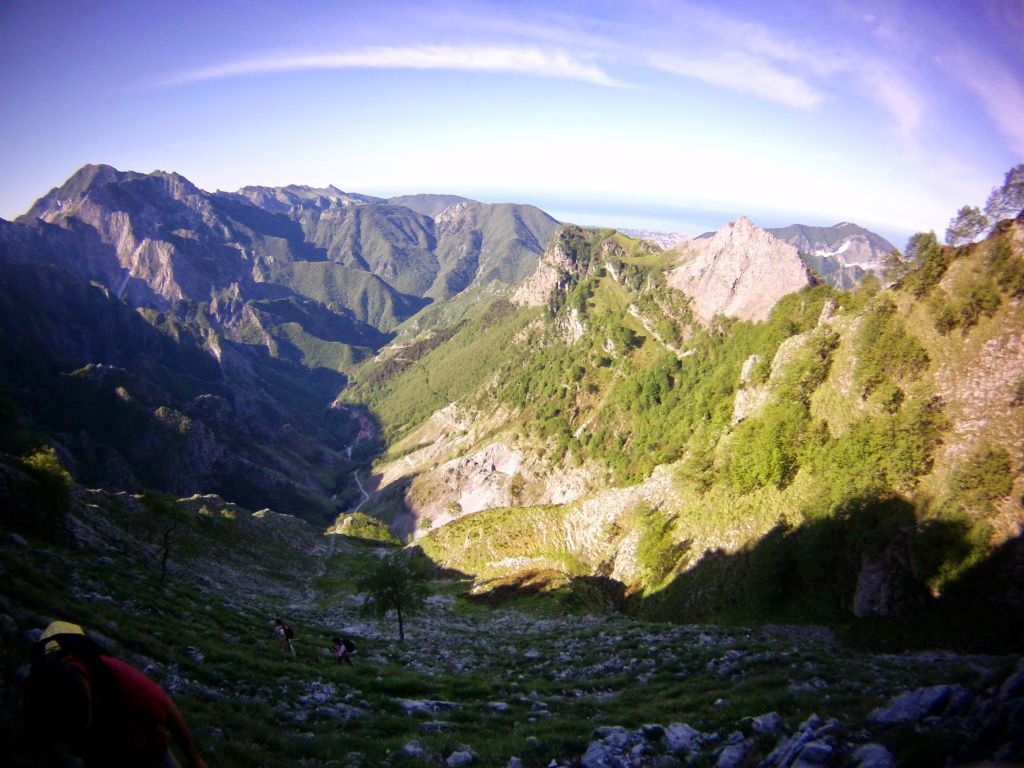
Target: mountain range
{"x": 438, "y": 363}
{"x": 274, "y": 292}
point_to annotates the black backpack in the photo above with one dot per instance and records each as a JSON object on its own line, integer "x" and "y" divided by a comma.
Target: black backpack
{"x": 349, "y": 645}
{"x": 56, "y": 647}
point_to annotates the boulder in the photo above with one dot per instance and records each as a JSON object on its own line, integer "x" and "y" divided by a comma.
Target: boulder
{"x": 769, "y": 723}
{"x": 814, "y": 753}
{"x": 731, "y": 756}
{"x": 414, "y": 750}
{"x": 680, "y": 737}
{"x": 599, "y": 755}
{"x": 460, "y": 758}
{"x": 1013, "y": 686}
{"x": 872, "y": 756}
{"x": 435, "y": 726}
{"x": 914, "y": 706}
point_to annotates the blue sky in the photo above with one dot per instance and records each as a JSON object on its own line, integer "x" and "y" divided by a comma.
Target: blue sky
{"x": 671, "y": 115}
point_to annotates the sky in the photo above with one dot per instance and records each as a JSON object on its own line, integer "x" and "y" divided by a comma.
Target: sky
{"x": 674, "y": 116}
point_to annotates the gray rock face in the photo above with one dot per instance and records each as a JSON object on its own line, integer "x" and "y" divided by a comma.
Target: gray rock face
{"x": 8, "y": 627}
{"x": 741, "y": 272}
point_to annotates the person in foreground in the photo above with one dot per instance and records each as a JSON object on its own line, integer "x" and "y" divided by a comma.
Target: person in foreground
{"x": 105, "y": 711}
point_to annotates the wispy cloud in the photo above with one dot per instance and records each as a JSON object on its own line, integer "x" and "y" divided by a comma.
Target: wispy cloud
{"x": 744, "y": 73}
{"x": 892, "y": 92}
{"x": 508, "y": 59}
{"x": 748, "y": 57}
{"x": 1000, "y": 93}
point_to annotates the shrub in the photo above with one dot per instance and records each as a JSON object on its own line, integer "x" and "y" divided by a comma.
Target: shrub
{"x": 657, "y": 552}
{"x": 947, "y": 546}
{"x": 361, "y": 526}
{"x": 885, "y": 351}
{"x": 932, "y": 262}
{"x": 764, "y": 450}
{"x": 986, "y": 476}
{"x": 43, "y": 496}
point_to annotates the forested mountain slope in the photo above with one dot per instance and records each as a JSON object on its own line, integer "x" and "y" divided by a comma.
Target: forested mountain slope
{"x": 853, "y": 454}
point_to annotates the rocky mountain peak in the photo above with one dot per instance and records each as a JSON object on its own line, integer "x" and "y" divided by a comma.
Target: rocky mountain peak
{"x": 741, "y": 271}
{"x": 108, "y": 186}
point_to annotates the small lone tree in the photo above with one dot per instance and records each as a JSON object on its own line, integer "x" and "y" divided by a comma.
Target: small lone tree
{"x": 895, "y": 266}
{"x": 164, "y": 518}
{"x": 968, "y": 224}
{"x": 397, "y": 582}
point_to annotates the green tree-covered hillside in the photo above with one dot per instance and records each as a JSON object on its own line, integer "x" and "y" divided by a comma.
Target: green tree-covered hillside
{"x": 847, "y": 420}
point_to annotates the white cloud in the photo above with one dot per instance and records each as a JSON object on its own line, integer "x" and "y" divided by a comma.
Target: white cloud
{"x": 744, "y": 73}
{"x": 518, "y": 60}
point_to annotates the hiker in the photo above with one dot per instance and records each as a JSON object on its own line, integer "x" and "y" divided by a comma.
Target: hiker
{"x": 344, "y": 649}
{"x": 284, "y": 634}
{"x": 107, "y": 712}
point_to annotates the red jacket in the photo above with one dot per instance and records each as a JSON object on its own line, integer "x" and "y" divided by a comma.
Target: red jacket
{"x": 128, "y": 724}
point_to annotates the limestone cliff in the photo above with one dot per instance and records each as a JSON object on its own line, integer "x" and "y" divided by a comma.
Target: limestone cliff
{"x": 741, "y": 272}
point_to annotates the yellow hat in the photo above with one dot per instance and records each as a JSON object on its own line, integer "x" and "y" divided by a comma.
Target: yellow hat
{"x": 59, "y": 628}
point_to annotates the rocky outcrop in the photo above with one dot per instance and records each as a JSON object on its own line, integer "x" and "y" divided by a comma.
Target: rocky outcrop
{"x": 560, "y": 262}
{"x": 751, "y": 396}
{"x": 741, "y": 272}
{"x": 496, "y": 475}
{"x": 885, "y": 584}
{"x": 536, "y": 290}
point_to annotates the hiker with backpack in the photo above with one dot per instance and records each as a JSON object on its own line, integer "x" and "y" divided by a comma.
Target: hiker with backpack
{"x": 344, "y": 649}
{"x": 105, "y": 711}
{"x": 284, "y": 633}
